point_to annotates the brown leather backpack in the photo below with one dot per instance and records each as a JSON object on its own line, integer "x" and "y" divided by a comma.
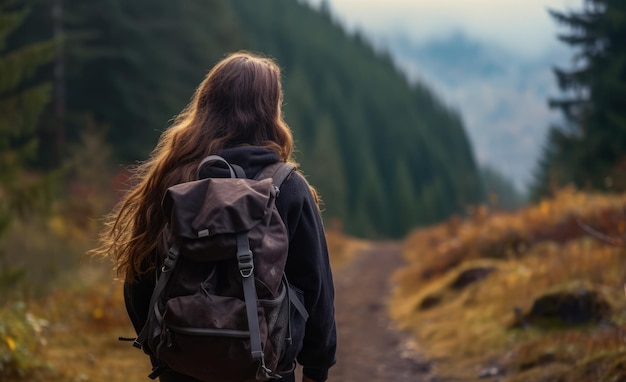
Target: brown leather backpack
{"x": 222, "y": 308}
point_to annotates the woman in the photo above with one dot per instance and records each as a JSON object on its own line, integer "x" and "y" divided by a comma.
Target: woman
{"x": 235, "y": 113}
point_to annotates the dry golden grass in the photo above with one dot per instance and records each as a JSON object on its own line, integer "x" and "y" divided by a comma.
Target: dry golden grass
{"x": 527, "y": 255}
{"x": 77, "y": 337}
{"x": 60, "y": 312}
{"x": 343, "y": 248}
{"x": 71, "y": 333}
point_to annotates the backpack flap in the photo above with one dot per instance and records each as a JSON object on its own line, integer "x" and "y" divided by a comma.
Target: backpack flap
{"x": 205, "y": 215}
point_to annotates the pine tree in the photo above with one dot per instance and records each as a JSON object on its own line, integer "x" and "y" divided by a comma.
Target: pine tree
{"x": 589, "y": 149}
{"x": 500, "y": 190}
{"x": 134, "y": 65}
{"x": 22, "y": 100}
{"x": 326, "y": 166}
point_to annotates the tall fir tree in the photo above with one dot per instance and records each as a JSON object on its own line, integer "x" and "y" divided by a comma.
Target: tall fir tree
{"x": 133, "y": 65}
{"x": 589, "y": 149}
{"x": 22, "y": 100}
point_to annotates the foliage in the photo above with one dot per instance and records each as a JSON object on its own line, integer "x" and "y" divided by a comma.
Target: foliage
{"x": 21, "y": 103}
{"x": 20, "y": 341}
{"x": 84, "y": 316}
{"x": 58, "y": 239}
{"x": 501, "y": 192}
{"x": 343, "y": 248}
{"x": 589, "y": 149}
{"x": 133, "y": 65}
{"x": 471, "y": 289}
{"x": 87, "y": 178}
{"x": 22, "y": 100}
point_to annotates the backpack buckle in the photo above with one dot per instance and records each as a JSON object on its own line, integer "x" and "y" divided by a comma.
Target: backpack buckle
{"x": 245, "y": 262}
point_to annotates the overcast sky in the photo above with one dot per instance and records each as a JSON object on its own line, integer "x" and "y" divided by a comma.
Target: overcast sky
{"x": 520, "y": 25}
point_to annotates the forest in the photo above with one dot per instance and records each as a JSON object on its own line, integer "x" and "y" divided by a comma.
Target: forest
{"x": 369, "y": 141}
{"x": 86, "y": 89}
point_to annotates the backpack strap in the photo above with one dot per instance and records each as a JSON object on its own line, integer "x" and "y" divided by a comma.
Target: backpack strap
{"x": 246, "y": 269}
{"x": 279, "y": 172}
{"x": 297, "y": 303}
{"x": 166, "y": 272}
{"x": 234, "y": 170}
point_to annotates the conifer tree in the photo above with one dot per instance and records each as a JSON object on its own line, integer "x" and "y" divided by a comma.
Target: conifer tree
{"x": 327, "y": 166}
{"x": 589, "y": 149}
{"x": 133, "y": 65}
{"x": 22, "y": 100}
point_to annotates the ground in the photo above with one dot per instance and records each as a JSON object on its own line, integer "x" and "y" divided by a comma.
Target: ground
{"x": 369, "y": 348}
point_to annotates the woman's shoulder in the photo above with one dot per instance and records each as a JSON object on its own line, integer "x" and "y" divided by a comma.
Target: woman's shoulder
{"x": 296, "y": 189}
{"x": 296, "y": 182}
{"x": 296, "y": 203}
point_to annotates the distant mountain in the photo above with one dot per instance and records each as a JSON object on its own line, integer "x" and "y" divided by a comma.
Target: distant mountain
{"x": 502, "y": 96}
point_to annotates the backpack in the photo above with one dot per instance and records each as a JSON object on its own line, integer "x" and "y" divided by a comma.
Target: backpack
{"x": 222, "y": 308}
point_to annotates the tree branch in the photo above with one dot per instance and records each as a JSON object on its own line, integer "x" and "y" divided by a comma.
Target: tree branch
{"x": 617, "y": 241}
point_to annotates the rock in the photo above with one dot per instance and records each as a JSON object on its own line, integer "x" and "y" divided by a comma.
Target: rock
{"x": 429, "y": 302}
{"x": 568, "y": 307}
{"x": 470, "y": 276}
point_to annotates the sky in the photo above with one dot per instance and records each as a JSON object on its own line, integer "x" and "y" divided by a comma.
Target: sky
{"x": 520, "y": 25}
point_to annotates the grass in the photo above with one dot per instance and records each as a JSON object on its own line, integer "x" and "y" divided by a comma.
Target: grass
{"x": 342, "y": 248}
{"x": 472, "y": 289}
{"x": 68, "y": 329}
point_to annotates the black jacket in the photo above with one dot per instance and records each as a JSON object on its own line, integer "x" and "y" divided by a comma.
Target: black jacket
{"x": 307, "y": 267}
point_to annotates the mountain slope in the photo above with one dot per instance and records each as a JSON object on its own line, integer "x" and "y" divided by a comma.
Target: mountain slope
{"x": 404, "y": 156}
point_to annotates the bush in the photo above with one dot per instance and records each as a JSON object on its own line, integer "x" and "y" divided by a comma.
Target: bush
{"x": 20, "y": 341}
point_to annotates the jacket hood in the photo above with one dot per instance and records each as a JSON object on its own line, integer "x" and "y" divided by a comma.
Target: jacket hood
{"x": 252, "y": 159}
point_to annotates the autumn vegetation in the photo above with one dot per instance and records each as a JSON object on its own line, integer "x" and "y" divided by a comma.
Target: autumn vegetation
{"x": 524, "y": 296}
{"x": 66, "y": 326}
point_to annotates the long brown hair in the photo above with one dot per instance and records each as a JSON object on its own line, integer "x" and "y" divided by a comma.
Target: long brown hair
{"x": 237, "y": 103}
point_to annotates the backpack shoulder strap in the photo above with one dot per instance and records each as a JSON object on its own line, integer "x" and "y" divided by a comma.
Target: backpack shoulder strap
{"x": 234, "y": 170}
{"x": 279, "y": 172}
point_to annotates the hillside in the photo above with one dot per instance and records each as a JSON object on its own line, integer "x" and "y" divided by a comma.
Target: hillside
{"x": 529, "y": 296}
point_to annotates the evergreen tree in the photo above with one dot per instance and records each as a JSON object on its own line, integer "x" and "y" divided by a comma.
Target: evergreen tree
{"x": 589, "y": 149}
{"x": 409, "y": 215}
{"x": 501, "y": 192}
{"x": 22, "y": 100}
{"x": 134, "y": 64}
{"x": 357, "y": 122}
{"x": 326, "y": 167}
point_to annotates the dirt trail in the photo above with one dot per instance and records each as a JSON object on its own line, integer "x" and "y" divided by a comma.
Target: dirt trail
{"x": 369, "y": 348}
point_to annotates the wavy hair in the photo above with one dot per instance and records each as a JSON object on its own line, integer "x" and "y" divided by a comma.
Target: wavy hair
{"x": 237, "y": 103}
